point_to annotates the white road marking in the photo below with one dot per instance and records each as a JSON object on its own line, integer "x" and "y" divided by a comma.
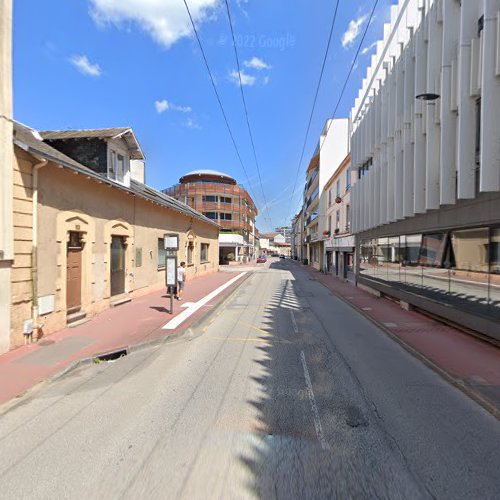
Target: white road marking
{"x": 187, "y": 304}
{"x": 294, "y": 323}
{"x": 314, "y": 407}
{"x": 184, "y": 315}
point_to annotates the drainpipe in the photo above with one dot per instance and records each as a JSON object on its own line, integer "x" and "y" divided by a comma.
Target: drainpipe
{"x": 34, "y": 250}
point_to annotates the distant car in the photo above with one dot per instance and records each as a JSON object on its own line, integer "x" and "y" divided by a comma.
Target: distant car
{"x": 282, "y": 256}
{"x": 261, "y": 260}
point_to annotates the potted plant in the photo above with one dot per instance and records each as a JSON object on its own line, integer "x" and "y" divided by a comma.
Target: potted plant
{"x": 326, "y": 233}
{"x": 337, "y": 230}
{"x": 338, "y": 199}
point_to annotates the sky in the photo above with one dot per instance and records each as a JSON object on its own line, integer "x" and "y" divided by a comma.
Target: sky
{"x": 109, "y": 63}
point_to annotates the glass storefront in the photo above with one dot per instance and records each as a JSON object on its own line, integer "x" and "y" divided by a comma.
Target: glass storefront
{"x": 461, "y": 267}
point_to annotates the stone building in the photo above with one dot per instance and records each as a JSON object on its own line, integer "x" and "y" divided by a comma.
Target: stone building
{"x": 88, "y": 233}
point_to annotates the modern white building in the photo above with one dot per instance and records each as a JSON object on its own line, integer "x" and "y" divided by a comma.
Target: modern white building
{"x": 426, "y": 148}
{"x": 332, "y": 148}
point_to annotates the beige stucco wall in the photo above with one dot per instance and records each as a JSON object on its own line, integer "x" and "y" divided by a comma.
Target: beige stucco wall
{"x": 69, "y": 201}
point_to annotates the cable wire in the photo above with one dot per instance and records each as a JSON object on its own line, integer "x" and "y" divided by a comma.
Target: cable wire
{"x": 350, "y": 72}
{"x": 246, "y": 109}
{"x": 219, "y": 99}
{"x": 314, "y": 101}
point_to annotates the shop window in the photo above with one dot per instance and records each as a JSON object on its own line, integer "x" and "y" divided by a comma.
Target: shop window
{"x": 204, "y": 252}
{"x": 190, "y": 253}
{"x": 432, "y": 250}
{"x": 470, "y": 249}
{"x": 495, "y": 251}
{"x": 161, "y": 253}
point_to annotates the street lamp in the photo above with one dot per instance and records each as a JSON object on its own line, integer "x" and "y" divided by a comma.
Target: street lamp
{"x": 428, "y": 96}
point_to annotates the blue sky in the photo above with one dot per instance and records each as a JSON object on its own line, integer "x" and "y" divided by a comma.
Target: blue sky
{"x": 107, "y": 63}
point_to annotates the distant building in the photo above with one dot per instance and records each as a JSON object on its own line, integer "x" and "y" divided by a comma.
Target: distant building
{"x": 274, "y": 243}
{"x": 285, "y": 231}
{"x": 220, "y": 198}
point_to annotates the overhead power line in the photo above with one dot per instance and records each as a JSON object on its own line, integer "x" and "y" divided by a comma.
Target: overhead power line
{"x": 353, "y": 64}
{"x": 246, "y": 109}
{"x": 315, "y": 100}
{"x": 219, "y": 99}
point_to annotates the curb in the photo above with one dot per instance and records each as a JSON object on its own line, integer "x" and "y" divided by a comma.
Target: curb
{"x": 28, "y": 393}
{"x": 455, "y": 382}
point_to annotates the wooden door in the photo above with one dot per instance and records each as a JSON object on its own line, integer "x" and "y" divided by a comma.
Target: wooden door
{"x": 117, "y": 265}
{"x": 74, "y": 273}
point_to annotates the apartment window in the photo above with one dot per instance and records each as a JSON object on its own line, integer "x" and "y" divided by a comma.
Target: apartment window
{"x": 337, "y": 219}
{"x": 347, "y": 180}
{"x": 204, "y": 252}
{"x": 330, "y": 224}
{"x": 338, "y": 187}
{"x": 161, "y": 253}
{"x": 190, "y": 253}
{"x": 209, "y": 198}
{"x": 224, "y": 199}
{"x": 210, "y": 215}
{"x": 348, "y": 217}
{"x": 225, "y": 216}
{"x": 329, "y": 197}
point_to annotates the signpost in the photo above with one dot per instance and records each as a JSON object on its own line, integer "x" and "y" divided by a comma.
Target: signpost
{"x": 171, "y": 245}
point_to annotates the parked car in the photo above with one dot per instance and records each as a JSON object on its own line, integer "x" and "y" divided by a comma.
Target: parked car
{"x": 261, "y": 260}
{"x": 282, "y": 256}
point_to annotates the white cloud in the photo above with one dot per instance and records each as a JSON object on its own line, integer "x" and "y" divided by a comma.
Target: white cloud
{"x": 83, "y": 65}
{"x": 164, "y": 105}
{"x": 256, "y": 63}
{"x": 191, "y": 123}
{"x": 352, "y": 32}
{"x": 367, "y": 49}
{"x": 166, "y": 21}
{"x": 246, "y": 79}
{"x": 161, "y": 106}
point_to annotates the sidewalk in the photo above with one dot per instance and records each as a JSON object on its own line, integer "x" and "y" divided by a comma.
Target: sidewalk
{"x": 135, "y": 322}
{"x": 467, "y": 362}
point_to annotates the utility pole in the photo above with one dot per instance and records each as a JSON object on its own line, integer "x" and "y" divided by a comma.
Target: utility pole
{"x": 6, "y": 172}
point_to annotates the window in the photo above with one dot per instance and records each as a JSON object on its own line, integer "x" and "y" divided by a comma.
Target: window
{"x": 330, "y": 224}
{"x": 470, "y": 249}
{"x": 478, "y": 131}
{"x": 210, "y": 198}
{"x": 329, "y": 197}
{"x": 224, "y": 199}
{"x": 432, "y": 249}
{"x": 337, "y": 219}
{"x": 225, "y": 216}
{"x": 161, "y": 253}
{"x": 347, "y": 180}
{"x": 338, "y": 187}
{"x": 348, "y": 217}
{"x": 495, "y": 251}
{"x": 117, "y": 167}
{"x": 210, "y": 215}
{"x": 190, "y": 253}
{"x": 204, "y": 252}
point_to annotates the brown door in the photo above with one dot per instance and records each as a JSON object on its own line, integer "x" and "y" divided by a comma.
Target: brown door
{"x": 74, "y": 273}
{"x": 117, "y": 265}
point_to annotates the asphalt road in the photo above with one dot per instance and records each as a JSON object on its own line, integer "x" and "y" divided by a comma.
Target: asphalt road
{"x": 286, "y": 393}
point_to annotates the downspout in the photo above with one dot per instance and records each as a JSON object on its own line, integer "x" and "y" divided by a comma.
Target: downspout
{"x": 34, "y": 250}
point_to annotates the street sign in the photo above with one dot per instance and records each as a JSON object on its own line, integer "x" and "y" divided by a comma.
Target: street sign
{"x": 171, "y": 271}
{"x": 171, "y": 241}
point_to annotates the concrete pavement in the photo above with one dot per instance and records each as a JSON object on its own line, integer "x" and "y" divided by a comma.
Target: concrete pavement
{"x": 129, "y": 325}
{"x": 286, "y": 392}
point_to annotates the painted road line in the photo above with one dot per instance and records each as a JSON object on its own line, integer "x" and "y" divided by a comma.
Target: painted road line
{"x": 184, "y": 315}
{"x": 187, "y": 304}
{"x": 314, "y": 407}
{"x": 294, "y": 323}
